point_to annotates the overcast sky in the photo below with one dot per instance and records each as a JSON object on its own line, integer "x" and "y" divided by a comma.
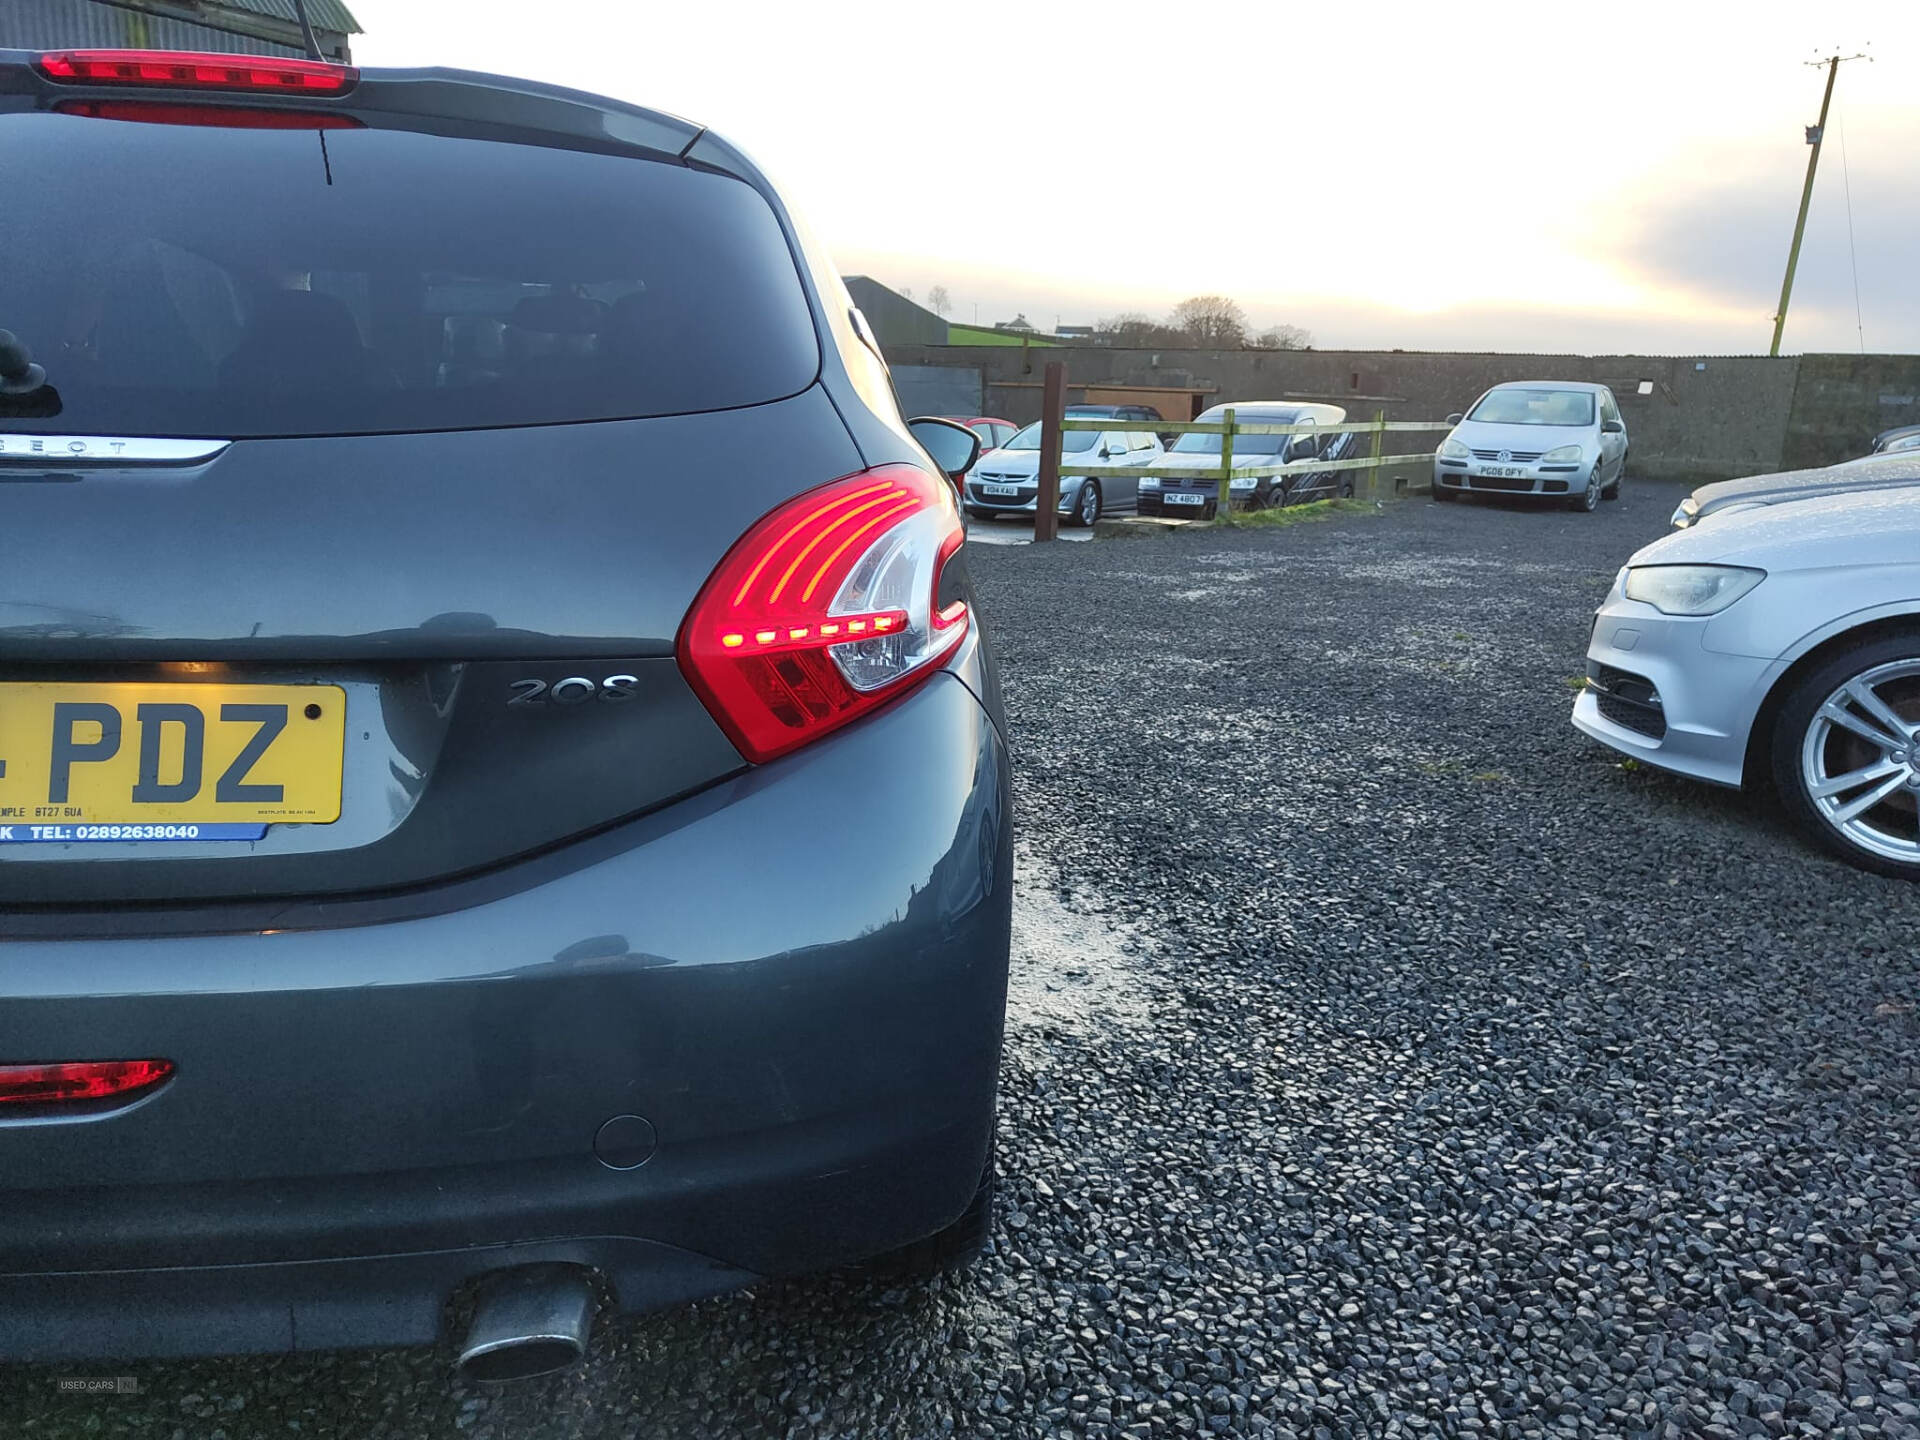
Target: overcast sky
{"x": 1508, "y": 176}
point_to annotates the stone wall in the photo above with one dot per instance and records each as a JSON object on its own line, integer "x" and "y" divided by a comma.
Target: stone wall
{"x": 1842, "y": 401}
{"x": 1702, "y": 417}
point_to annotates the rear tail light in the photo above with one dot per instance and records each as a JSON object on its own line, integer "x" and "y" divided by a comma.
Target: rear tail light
{"x": 226, "y": 117}
{"x": 186, "y": 70}
{"x": 827, "y": 609}
{"x": 78, "y": 1082}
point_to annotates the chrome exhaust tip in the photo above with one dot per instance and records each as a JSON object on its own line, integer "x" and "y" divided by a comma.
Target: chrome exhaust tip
{"x": 526, "y": 1322}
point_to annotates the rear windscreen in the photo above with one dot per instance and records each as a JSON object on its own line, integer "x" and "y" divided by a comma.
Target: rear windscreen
{"x": 229, "y": 282}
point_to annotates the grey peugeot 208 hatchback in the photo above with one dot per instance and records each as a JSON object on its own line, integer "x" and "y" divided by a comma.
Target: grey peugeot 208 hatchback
{"x": 503, "y": 799}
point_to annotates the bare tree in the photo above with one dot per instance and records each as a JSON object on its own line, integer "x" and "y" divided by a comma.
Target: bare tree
{"x": 906, "y": 292}
{"x": 1133, "y": 328}
{"x": 939, "y": 301}
{"x": 1211, "y": 320}
{"x": 1283, "y": 337}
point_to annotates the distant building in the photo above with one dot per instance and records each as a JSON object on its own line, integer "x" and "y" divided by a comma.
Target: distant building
{"x": 1019, "y": 323}
{"x": 894, "y": 319}
{"x": 229, "y": 27}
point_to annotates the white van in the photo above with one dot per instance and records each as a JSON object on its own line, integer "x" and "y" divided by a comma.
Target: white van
{"x": 1198, "y": 449}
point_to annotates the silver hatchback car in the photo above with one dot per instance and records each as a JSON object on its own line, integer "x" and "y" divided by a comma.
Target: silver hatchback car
{"x": 1559, "y": 439}
{"x": 512, "y": 811}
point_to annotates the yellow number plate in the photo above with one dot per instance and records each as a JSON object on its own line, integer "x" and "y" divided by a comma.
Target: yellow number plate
{"x": 153, "y": 761}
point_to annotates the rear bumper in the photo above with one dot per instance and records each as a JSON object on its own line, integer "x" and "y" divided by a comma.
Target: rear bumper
{"x": 797, "y": 978}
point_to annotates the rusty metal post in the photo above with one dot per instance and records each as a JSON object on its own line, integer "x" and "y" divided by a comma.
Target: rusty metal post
{"x": 1053, "y": 410}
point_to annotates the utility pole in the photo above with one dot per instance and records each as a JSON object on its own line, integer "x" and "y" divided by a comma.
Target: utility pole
{"x": 1815, "y": 134}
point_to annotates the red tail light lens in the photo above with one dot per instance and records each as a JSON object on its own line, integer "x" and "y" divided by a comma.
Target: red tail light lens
{"x": 182, "y": 69}
{"x": 80, "y": 1081}
{"x": 226, "y": 117}
{"x": 826, "y": 610}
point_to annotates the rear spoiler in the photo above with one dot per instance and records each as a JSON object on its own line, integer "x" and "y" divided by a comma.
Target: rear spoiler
{"x": 462, "y": 102}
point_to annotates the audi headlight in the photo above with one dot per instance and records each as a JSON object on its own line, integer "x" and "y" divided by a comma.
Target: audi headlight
{"x": 1452, "y": 449}
{"x": 1563, "y": 455}
{"x": 1690, "y": 589}
{"x": 1685, "y": 513}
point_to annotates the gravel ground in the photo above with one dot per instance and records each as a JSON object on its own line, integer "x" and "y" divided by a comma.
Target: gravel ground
{"x": 1384, "y": 1059}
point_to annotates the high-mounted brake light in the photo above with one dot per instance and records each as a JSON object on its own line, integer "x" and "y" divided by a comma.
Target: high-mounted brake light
{"x": 187, "y": 70}
{"x": 224, "y": 117}
{"x": 826, "y": 609}
{"x": 77, "y": 1082}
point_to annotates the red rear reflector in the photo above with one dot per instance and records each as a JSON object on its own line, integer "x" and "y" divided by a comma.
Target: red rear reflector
{"x": 80, "y": 1081}
{"x": 826, "y": 609}
{"x": 182, "y": 69}
{"x": 232, "y": 117}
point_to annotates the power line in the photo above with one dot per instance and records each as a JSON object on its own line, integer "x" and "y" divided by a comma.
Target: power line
{"x": 1853, "y": 256}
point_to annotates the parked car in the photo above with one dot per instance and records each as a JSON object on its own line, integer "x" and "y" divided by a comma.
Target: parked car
{"x": 1896, "y": 443}
{"x": 1169, "y": 495}
{"x": 1900, "y": 437}
{"x": 506, "y": 803}
{"x": 993, "y": 432}
{"x": 1779, "y": 644}
{"x": 1122, "y": 412}
{"x": 1114, "y": 412}
{"x": 1007, "y": 481}
{"x": 1888, "y": 470}
{"x": 1553, "y": 438}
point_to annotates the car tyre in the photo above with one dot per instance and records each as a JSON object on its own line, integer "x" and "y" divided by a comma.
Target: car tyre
{"x": 953, "y": 1248}
{"x": 1804, "y": 745}
{"x": 1086, "y": 509}
{"x": 1588, "y": 499}
{"x": 1442, "y": 495}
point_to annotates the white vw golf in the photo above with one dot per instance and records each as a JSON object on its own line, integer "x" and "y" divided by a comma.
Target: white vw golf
{"x": 1779, "y": 643}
